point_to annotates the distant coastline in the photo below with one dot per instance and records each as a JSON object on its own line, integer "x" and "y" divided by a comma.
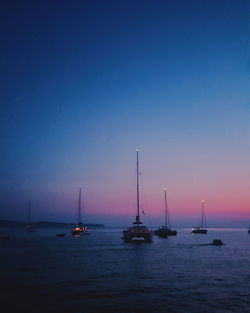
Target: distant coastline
{"x": 8, "y": 223}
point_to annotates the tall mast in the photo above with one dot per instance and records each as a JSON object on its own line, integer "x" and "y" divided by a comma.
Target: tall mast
{"x": 137, "y": 189}
{"x": 79, "y": 206}
{"x": 165, "y": 197}
{"x": 167, "y": 219}
{"x": 202, "y": 212}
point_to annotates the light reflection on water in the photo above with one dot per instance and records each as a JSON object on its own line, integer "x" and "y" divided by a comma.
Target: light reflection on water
{"x": 100, "y": 273}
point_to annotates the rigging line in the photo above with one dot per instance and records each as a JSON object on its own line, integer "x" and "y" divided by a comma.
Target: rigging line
{"x": 167, "y": 218}
{"x": 83, "y": 208}
{"x": 145, "y": 201}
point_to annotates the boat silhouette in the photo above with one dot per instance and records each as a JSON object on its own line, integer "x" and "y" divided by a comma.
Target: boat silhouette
{"x": 79, "y": 229}
{"x": 138, "y": 231}
{"x": 165, "y": 230}
{"x": 202, "y": 229}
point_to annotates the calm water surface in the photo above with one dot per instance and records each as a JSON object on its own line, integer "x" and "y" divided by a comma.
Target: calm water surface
{"x": 99, "y": 273}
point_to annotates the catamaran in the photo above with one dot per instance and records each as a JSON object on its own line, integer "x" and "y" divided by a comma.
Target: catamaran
{"x": 79, "y": 229}
{"x": 138, "y": 230}
{"x": 29, "y": 227}
{"x": 165, "y": 230}
{"x": 201, "y": 229}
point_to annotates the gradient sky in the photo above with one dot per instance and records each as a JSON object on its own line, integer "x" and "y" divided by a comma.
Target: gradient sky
{"x": 83, "y": 83}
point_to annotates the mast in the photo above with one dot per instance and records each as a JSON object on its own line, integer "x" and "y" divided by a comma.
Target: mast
{"x": 79, "y": 206}
{"x": 137, "y": 221}
{"x": 167, "y": 219}
{"x": 202, "y": 213}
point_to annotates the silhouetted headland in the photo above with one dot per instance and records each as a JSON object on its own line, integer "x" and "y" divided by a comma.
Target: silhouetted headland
{"x": 44, "y": 224}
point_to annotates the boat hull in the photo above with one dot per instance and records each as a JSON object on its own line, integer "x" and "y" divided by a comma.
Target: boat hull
{"x": 172, "y": 233}
{"x": 79, "y": 231}
{"x": 164, "y": 232}
{"x": 137, "y": 232}
{"x": 199, "y": 231}
{"x": 161, "y": 234}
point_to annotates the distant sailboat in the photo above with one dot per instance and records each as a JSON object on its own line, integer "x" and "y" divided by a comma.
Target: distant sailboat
{"x": 137, "y": 231}
{"x": 201, "y": 229}
{"x": 165, "y": 230}
{"x": 79, "y": 229}
{"x": 29, "y": 227}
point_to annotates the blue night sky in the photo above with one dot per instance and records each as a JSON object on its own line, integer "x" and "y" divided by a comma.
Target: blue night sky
{"x": 83, "y": 83}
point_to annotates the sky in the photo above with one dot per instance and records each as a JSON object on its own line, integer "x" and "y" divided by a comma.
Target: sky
{"x": 84, "y": 83}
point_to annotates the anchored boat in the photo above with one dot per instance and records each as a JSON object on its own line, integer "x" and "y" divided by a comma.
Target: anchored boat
{"x": 138, "y": 230}
{"x": 79, "y": 229}
{"x": 202, "y": 229}
{"x": 165, "y": 230}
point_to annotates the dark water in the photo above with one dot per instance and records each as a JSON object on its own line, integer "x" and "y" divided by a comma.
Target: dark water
{"x": 99, "y": 273}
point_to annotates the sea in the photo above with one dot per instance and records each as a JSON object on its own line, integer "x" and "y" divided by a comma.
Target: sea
{"x": 42, "y": 273}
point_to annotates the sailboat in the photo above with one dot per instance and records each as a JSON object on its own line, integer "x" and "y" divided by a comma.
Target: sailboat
{"x": 79, "y": 229}
{"x": 138, "y": 230}
{"x": 165, "y": 230}
{"x": 201, "y": 230}
{"x": 29, "y": 227}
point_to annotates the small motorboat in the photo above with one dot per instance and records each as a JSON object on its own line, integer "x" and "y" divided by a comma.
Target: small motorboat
{"x": 217, "y": 242}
